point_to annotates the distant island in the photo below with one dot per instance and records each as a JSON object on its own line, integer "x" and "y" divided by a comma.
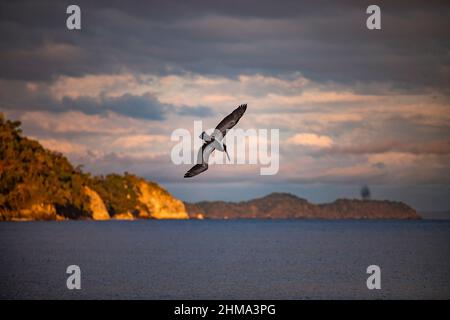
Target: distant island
{"x": 288, "y": 206}
{"x": 39, "y": 184}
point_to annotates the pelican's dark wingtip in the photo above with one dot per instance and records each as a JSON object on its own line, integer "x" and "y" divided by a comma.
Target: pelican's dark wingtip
{"x": 242, "y": 108}
{"x": 196, "y": 170}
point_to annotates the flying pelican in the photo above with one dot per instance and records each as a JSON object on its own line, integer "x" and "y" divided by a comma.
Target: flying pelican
{"x": 214, "y": 142}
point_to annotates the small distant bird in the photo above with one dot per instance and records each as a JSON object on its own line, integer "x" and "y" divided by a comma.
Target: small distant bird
{"x": 214, "y": 142}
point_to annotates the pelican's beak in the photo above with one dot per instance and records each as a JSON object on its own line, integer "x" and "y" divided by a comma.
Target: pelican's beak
{"x": 225, "y": 149}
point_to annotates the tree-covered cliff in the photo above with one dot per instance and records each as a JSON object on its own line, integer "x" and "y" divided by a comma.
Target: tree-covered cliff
{"x": 39, "y": 184}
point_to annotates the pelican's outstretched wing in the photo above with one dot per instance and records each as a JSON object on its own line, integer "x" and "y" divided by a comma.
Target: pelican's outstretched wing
{"x": 202, "y": 160}
{"x": 195, "y": 170}
{"x": 230, "y": 120}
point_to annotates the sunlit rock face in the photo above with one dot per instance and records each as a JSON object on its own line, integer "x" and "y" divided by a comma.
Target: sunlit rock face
{"x": 124, "y": 216}
{"x": 36, "y": 211}
{"x": 157, "y": 203}
{"x": 97, "y": 207}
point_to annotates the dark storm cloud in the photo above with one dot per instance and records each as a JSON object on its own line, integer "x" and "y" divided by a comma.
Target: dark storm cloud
{"x": 195, "y": 111}
{"x": 325, "y": 40}
{"x": 144, "y": 107}
{"x": 14, "y": 95}
{"x": 141, "y": 107}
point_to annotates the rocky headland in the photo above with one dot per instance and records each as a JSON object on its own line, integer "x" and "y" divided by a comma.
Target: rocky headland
{"x": 39, "y": 184}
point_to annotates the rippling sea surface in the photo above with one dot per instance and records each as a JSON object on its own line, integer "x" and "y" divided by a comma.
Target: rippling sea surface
{"x": 241, "y": 259}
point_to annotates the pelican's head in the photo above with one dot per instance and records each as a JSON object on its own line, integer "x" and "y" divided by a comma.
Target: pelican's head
{"x": 205, "y": 137}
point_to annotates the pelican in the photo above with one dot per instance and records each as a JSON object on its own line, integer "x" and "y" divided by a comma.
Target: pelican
{"x": 215, "y": 141}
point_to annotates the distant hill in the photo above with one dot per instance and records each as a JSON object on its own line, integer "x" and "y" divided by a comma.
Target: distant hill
{"x": 288, "y": 206}
{"x": 39, "y": 184}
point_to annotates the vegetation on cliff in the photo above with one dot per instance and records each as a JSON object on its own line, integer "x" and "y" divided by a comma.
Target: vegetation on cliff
{"x": 130, "y": 196}
{"x": 39, "y": 184}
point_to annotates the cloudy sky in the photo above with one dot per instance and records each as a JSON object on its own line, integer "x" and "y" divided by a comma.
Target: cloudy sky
{"x": 353, "y": 106}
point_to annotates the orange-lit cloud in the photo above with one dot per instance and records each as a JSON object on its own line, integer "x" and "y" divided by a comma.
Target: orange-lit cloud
{"x": 310, "y": 139}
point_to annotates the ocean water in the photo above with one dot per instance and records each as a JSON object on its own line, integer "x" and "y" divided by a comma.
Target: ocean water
{"x": 242, "y": 259}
